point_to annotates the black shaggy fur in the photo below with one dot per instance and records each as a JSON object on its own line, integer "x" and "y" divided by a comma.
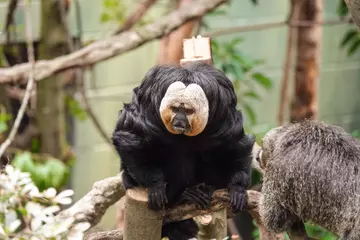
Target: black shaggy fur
{"x": 178, "y": 168}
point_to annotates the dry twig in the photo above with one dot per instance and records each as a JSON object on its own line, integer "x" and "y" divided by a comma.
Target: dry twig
{"x": 113, "y": 46}
{"x": 29, "y": 85}
{"x": 10, "y": 18}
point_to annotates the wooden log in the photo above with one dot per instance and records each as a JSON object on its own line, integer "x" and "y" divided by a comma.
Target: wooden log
{"x": 140, "y": 222}
{"x": 196, "y": 50}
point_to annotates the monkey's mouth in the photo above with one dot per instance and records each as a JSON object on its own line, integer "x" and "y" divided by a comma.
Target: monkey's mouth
{"x": 258, "y": 155}
{"x": 181, "y": 130}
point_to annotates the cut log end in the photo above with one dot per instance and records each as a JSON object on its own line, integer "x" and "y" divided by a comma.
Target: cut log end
{"x": 196, "y": 50}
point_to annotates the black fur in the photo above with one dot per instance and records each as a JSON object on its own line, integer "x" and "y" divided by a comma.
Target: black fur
{"x": 178, "y": 168}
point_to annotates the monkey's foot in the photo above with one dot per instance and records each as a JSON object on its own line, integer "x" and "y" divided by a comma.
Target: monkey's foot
{"x": 200, "y": 195}
{"x": 238, "y": 199}
{"x": 157, "y": 197}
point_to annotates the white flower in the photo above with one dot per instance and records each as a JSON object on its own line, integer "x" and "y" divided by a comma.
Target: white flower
{"x": 63, "y": 197}
{"x": 50, "y": 193}
{"x": 28, "y": 188}
{"x": 14, "y": 225}
{"x": 2, "y": 231}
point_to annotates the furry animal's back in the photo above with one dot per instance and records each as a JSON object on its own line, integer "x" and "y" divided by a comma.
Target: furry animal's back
{"x": 313, "y": 168}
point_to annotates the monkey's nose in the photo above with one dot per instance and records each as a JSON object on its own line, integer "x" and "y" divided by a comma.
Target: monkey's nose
{"x": 180, "y": 125}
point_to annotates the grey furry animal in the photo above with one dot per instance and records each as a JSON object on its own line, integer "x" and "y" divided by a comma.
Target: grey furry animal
{"x": 311, "y": 173}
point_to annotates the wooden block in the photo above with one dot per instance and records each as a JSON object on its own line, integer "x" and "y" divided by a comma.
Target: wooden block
{"x": 196, "y": 49}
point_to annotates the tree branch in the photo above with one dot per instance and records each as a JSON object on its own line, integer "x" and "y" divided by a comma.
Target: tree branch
{"x": 354, "y": 7}
{"x": 113, "y": 46}
{"x": 107, "y": 192}
{"x": 30, "y": 83}
{"x": 139, "y": 12}
{"x": 94, "y": 204}
{"x": 10, "y": 18}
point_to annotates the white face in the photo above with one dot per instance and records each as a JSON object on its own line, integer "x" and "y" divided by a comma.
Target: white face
{"x": 186, "y": 105}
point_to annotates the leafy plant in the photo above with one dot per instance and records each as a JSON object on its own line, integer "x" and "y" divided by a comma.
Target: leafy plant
{"x": 240, "y": 69}
{"x": 115, "y": 11}
{"x": 4, "y": 118}
{"x": 75, "y": 109}
{"x": 27, "y": 213}
{"x": 45, "y": 173}
{"x": 351, "y": 39}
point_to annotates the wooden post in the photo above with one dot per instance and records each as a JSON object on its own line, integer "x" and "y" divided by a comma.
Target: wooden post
{"x": 212, "y": 226}
{"x": 140, "y": 222}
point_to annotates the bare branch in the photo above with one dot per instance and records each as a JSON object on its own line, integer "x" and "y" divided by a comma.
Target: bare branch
{"x": 139, "y": 12}
{"x": 80, "y": 78}
{"x": 30, "y": 83}
{"x": 10, "y": 17}
{"x": 113, "y": 46}
{"x": 354, "y": 7}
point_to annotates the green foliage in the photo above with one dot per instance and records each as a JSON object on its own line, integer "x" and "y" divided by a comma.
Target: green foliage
{"x": 115, "y": 11}
{"x": 351, "y": 39}
{"x": 75, "y": 109}
{"x": 240, "y": 69}
{"x": 48, "y": 173}
{"x": 319, "y": 232}
{"x": 342, "y": 10}
{"x": 4, "y": 118}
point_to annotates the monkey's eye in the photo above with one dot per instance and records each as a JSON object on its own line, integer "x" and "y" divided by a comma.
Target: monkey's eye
{"x": 174, "y": 109}
{"x": 189, "y": 111}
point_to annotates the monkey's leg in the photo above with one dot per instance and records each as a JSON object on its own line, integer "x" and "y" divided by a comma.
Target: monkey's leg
{"x": 274, "y": 216}
{"x": 298, "y": 230}
{"x": 200, "y": 194}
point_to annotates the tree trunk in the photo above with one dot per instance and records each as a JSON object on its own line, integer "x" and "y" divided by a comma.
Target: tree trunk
{"x": 304, "y": 105}
{"x": 50, "y": 99}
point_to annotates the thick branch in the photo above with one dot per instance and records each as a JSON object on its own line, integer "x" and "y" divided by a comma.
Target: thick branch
{"x": 354, "y": 7}
{"x": 94, "y": 204}
{"x": 113, "y": 46}
{"x": 220, "y": 200}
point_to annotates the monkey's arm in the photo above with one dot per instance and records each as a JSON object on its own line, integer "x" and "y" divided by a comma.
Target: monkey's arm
{"x": 137, "y": 160}
{"x": 240, "y": 177}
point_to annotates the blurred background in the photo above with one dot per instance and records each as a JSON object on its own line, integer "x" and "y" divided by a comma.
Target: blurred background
{"x": 287, "y": 61}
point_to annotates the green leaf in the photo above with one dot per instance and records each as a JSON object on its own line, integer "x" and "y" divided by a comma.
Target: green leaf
{"x": 255, "y": 2}
{"x": 349, "y": 36}
{"x": 57, "y": 172}
{"x": 252, "y": 94}
{"x": 342, "y": 10}
{"x": 24, "y": 162}
{"x": 353, "y": 47}
{"x": 262, "y": 79}
{"x": 3, "y": 127}
{"x": 41, "y": 176}
{"x": 105, "y": 17}
{"x": 250, "y": 113}
{"x": 75, "y": 109}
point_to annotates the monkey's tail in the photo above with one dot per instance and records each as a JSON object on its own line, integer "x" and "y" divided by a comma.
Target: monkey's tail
{"x": 182, "y": 230}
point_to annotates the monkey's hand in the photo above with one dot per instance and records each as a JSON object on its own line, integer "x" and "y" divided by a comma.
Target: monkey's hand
{"x": 238, "y": 199}
{"x": 200, "y": 195}
{"x": 157, "y": 197}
